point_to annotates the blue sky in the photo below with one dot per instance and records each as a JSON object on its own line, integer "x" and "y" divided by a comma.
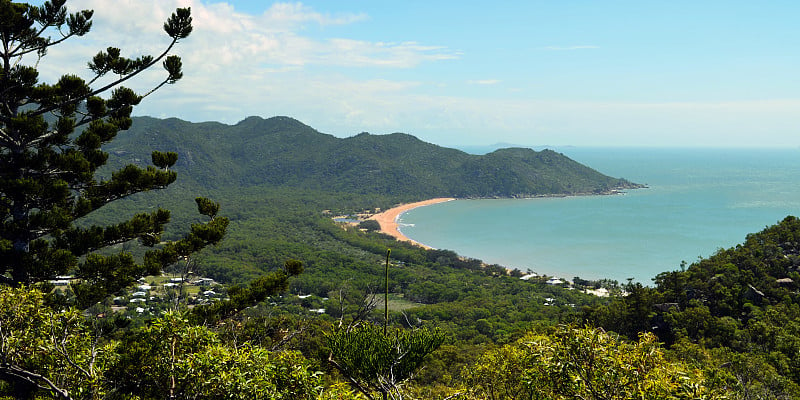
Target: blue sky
{"x": 584, "y": 73}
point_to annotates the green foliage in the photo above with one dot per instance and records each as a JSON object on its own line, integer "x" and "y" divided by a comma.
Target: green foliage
{"x": 741, "y": 302}
{"x": 175, "y": 359}
{"x": 370, "y": 225}
{"x": 378, "y": 362}
{"x": 584, "y": 363}
{"x": 46, "y": 351}
{"x": 157, "y": 359}
{"x": 630, "y": 314}
{"x": 259, "y": 290}
{"x": 62, "y": 354}
{"x": 48, "y": 166}
{"x": 164, "y": 160}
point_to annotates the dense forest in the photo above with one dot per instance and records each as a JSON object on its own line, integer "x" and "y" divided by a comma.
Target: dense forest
{"x": 725, "y": 325}
{"x": 279, "y": 193}
{"x": 201, "y": 261}
{"x": 716, "y": 322}
{"x": 739, "y": 308}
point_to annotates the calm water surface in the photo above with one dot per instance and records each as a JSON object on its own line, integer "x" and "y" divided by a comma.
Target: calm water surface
{"x": 697, "y": 202}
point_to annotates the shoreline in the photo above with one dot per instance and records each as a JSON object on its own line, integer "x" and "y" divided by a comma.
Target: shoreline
{"x": 388, "y": 219}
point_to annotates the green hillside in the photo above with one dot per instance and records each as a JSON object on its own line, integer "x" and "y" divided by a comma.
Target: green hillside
{"x": 739, "y": 309}
{"x": 281, "y": 151}
{"x": 728, "y": 323}
{"x": 275, "y": 177}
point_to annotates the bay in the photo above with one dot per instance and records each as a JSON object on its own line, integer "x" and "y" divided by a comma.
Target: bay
{"x": 698, "y": 201}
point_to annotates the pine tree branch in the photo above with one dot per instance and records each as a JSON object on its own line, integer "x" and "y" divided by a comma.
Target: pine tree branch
{"x": 151, "y": 91}
{"x": 43, "y": 47}
{"x": 42, "y": 138}
{"x": 110, "y": 85}
{"x": 88, "y": 119}
{"x": 85, "y": 240}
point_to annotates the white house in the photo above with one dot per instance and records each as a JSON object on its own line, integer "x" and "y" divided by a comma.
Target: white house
{"x": 203, "y": 282}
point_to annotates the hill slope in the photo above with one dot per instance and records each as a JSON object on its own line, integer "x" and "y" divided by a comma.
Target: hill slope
{"x": 742, "y": 303}
{"x": 281, "y": 151}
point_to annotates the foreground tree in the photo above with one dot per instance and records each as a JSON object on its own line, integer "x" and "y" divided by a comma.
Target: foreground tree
{"x": 378, "y": 362}
{"x": 45, "y": 351}
{"x": 584, "y": 363}
{"x": 174, "y": 359}
{"x": 48, "y": 354}
{"x": 50, "y": 148}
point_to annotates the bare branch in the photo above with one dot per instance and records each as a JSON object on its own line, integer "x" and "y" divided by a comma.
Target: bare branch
{"x": 61, "y": 347}
{"x": 31, "y": 378}
{"x": 352, "y": 381}
{"x": 287, "y": 338}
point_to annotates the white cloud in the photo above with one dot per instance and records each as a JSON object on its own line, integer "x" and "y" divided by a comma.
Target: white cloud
{"x": 237, "y": 65}
{"x": 223, "y": 37}
{"x": 229, "y": 45}
{"x": 354, "y": 53}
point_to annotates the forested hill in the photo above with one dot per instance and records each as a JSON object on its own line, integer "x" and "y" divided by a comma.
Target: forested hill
{"x": 281, "y": 151}
{"x": 741, "y": 305}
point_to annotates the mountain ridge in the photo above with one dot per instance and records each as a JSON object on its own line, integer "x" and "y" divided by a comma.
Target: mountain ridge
{"x": 282, "y": 151}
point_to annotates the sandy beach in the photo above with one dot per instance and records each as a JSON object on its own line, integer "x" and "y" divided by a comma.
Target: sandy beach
{"x": 388, "y": 218}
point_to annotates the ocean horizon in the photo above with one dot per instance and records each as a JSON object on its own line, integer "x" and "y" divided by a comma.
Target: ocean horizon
{"x": 697, "y": 201}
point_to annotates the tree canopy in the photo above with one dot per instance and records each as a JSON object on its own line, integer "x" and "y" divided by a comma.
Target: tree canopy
{"x": 51, "y": 138}
{"x": 584, "y": 363}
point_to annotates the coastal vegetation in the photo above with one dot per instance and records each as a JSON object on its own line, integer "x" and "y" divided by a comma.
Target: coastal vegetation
{"x": 297, "y": 317}
{"x": 721, "y": 341}
{"x": 738, "y": 308}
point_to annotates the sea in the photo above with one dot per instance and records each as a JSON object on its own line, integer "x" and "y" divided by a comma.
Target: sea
{"x": 697, "y": 202}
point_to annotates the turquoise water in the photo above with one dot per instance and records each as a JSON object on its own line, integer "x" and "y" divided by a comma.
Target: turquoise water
{"x": 698, "y": 201}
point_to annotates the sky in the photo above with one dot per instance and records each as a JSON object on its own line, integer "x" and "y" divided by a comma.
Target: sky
{"x": 462, "y": 73}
